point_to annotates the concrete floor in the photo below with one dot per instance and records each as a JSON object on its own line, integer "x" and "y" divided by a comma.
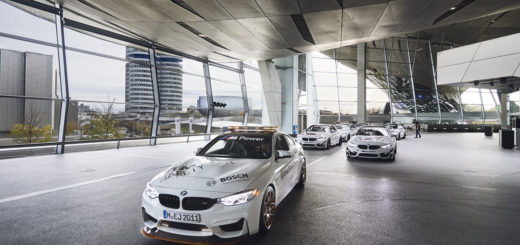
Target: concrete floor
{"x": 442, "y": 188}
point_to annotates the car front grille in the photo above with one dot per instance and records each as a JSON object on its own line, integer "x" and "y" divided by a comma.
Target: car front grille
{"x": 170, "y": 201}
{"x": 309, "y": 139}
{"x": 367, "y": 155}
{"x": 373, "y": 147}
{"x": 197, "y": 203}
{"x": 183, "y": 226}
{"x": 362, "y": 147}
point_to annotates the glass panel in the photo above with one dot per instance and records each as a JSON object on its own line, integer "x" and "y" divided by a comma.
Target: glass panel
{"x": 226, "y": 90}
{"x": 26, "y": 121}
{"x": 254, "y": 96}
{"x": 18, "y": 22}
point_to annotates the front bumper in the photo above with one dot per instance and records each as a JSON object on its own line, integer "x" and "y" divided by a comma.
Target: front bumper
{"x": 216, "y": 223}
{"x": 380, "y": 153}
{"x": 313, "y": 144}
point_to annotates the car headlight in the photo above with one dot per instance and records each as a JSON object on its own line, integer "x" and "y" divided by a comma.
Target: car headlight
{"x": 386, "y": 146}
{"x": 239, "y": 198}
{"x": 150, "y": 191}
{"x": 351, "y": 144}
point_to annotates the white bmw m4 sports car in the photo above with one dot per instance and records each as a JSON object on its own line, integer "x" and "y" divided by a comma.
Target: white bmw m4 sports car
{"x": 372, "y": 142}
{"x": 230, "y": 189}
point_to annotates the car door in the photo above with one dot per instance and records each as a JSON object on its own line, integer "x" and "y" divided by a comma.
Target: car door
{"x": 294, "y": 165}
{"x": 282, "y": 167}
{"x": 334, "y": 137}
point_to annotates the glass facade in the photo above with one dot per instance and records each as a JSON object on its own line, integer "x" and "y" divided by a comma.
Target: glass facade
{"x": 110, "y": 86}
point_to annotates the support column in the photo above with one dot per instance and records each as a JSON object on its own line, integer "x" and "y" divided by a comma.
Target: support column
{"x": 499, "y": 112}
{"x": 313, "y": 111}
{"x": 460, "y": 104}
{"x": 435, "y": 81}
{"x": 272, "y": 94}
{"x": 361, "y": 84}
{"x": 62, "y": 59}
{"x": 411, "y": 76}
{"x": 503, "y": 110}
{"x": 387, "y": 69}
{"x": 156, "y": 99}
{"x": 209, "y": 96}
{"x": 482, "y": 107}
{"x": 245, "y": 101}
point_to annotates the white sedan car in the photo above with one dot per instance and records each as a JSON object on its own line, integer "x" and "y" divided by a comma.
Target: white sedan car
{"x": 320, "y": 136}
{"x": 397, "y": 130}
{"x": 372, "y": 142}
{"x": 230, "y": 189}
{"x": 346, "y": 131}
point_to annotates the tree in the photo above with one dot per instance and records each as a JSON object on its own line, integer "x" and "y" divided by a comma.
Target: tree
{"x": 31, "y": 131}
{"x": 103, "y": 126}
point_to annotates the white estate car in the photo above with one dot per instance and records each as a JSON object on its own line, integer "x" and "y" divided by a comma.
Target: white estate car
{"x": 372, "y": 142}
{"x": 230, "y": 189}
{"x": 397, "y": 130}
{"x": 320, "y": 136}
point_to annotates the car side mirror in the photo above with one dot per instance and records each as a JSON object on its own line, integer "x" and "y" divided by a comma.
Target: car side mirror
{"x": 197, "y": 150}
{"x": 282, "y": 154}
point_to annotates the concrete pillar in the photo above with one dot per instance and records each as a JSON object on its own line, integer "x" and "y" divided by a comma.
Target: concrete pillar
{"x": 272, "y": 94}
{"x": 313, "y": 112}
{"x": 361, "y": 84}
{"x": 503, "y": 110}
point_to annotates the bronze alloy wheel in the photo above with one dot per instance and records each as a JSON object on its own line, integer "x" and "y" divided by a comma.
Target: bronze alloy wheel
{"x": 268, "y": 209}
{"x": 303, "y": 173}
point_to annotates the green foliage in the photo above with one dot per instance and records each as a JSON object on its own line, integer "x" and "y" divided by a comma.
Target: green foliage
{"x": 26, "y": 134}
{"x": 103, "y": 126}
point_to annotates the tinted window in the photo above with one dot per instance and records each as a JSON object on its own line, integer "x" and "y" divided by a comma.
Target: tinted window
{"x": 239, "y": 146}
{"x": 290, "y": 141}
{"x": 339, "y": 127}
{"x": 281, "y": 144}
{"x": 317, "y": 128}
{"x": 371, "y": 132}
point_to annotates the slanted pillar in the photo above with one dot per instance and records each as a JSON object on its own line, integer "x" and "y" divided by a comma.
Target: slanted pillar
{"x": 361, "y": 83}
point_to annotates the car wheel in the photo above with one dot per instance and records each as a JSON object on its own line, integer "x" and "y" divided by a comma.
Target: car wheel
{"x": 349, "y": 158}
{"x": 340, "y": 141}
{"x": 404, "y": 137}
{"x": 327, "y": 145}
{"x": 303, "y": 174}
{"x": 268, "y": 210}
{"x": 348, "y": 137}
{"x": 393, "y": 156}
{"x": 398, "y": 137}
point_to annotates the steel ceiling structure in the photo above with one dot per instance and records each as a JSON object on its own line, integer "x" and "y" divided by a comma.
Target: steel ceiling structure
{"x": 230, "y": 30}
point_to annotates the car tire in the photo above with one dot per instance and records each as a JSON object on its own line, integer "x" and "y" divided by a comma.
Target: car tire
{"x": 327, "y": 144}
{"x": 393, "y": 156}
{"x": 267, "y": 210}
{"x": 348, "y": 137}
{"x": 349, "y": 158}
{"x": 398, "y": 137}
{"x": 404, "y": 137}
{"x": 340, "y": 141}
{"x": 303, "y": 174}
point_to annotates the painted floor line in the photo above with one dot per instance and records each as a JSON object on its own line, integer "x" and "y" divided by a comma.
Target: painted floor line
{"x": 65, "y": 187}
{"x": 315, "y": 161}
{"x": 479, "y": 188}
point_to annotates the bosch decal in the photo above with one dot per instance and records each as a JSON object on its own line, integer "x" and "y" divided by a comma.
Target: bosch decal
{"x": 234, "y": 178}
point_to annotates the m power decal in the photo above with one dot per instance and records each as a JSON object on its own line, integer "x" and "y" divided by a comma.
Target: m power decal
{"x": 234, "y": 178}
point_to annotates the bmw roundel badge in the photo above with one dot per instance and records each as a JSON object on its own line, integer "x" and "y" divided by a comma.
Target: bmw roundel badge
{"x": 184, "y": 193}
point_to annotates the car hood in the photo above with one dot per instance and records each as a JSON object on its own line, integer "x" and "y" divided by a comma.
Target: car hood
{"x": 212, "y": 174}
{"x": 372, "y": 140}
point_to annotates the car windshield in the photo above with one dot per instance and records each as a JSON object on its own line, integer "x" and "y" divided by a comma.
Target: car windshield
{"x": 392, "y": 126}
{"x": 370, "y": 132}
{"x": 256, "y": 146}
{"x": 316, "y": 128}
{"x": 339, "y": 127}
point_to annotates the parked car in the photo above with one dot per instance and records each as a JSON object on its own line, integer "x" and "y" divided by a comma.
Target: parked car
{"x": 230, "y": 189}
{"x": 372, "y": 142}
{"x": 396, "y": 130}
{"x": 346, "y": 131}
{"x": 320, "y": 136}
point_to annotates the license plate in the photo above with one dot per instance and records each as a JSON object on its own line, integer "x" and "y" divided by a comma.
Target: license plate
{"x": 184, "y": 217}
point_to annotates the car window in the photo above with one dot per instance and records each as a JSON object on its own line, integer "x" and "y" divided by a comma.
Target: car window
{"x": 281, "y": 144}
{"x": 371, "y": 132}
{"x": 332, "y": 129}
{"x": 339, "y": 127}
{"x": 290, "y": 142}
{"x": 239, "y": 146}
{"x": 317, "y": 128}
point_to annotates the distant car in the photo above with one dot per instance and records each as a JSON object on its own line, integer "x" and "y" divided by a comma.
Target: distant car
{"x": 320, "y": 136}
{"x": 372, "y": 142}
{"x": 396, "y": 130}
{"x": 346, "y": 131}
{"x": 230, "y": 189}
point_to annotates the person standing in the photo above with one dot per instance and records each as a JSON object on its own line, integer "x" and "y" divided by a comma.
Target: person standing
{"x": 417, "y": 129}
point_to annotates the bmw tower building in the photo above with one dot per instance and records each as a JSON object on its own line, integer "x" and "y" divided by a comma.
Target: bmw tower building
{"x": 139, "y": 93}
